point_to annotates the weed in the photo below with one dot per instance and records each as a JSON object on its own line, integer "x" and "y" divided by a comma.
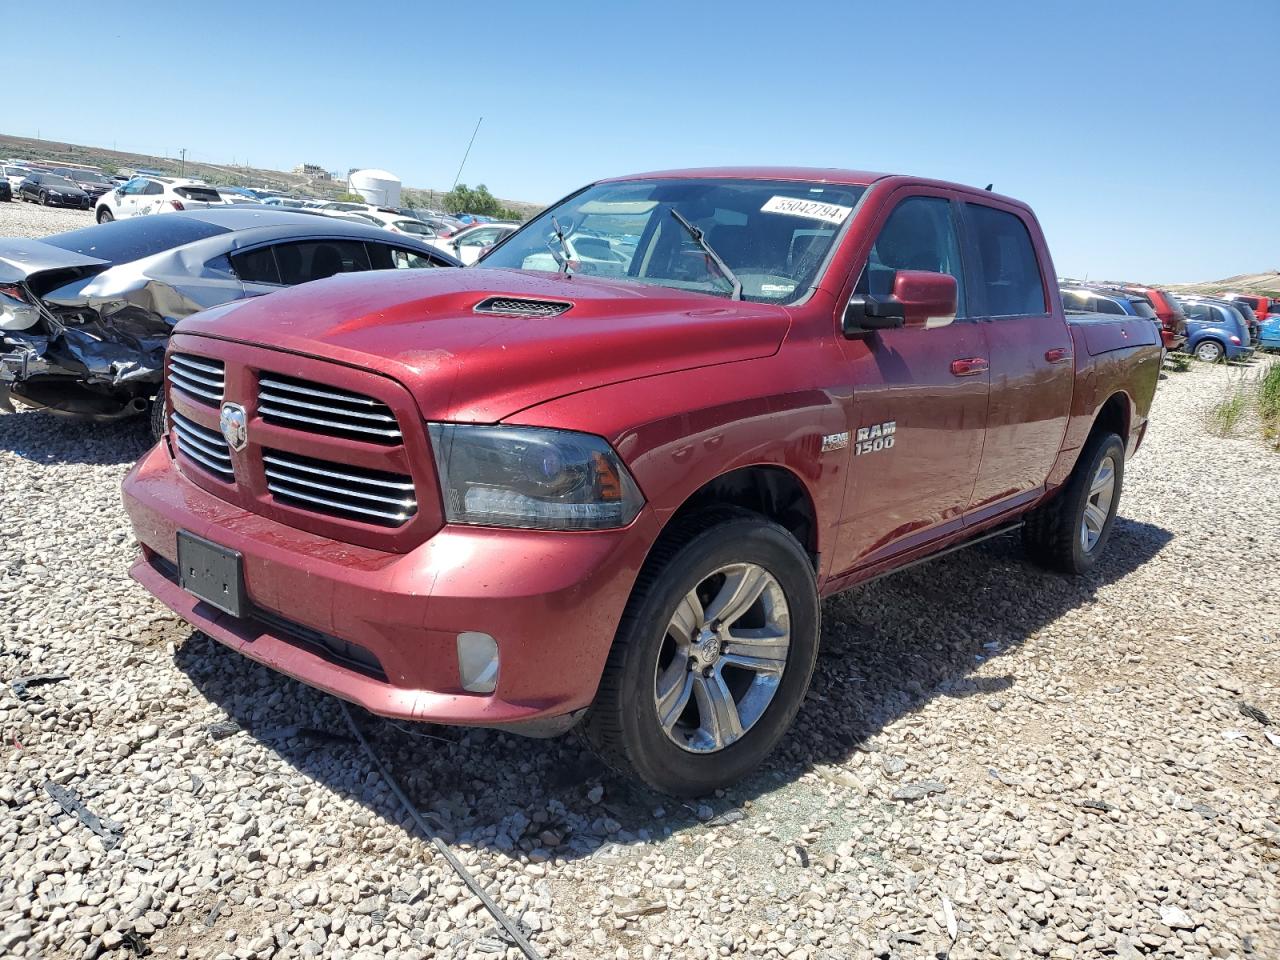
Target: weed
{"x": 1223, "y": 418}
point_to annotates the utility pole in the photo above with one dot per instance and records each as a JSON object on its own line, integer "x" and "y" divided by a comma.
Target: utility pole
{"x": 468, "y": 153}
{"x": 182, "y": 168}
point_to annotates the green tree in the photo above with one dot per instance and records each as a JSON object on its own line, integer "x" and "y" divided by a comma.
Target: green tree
{"x": 462, "y": 199}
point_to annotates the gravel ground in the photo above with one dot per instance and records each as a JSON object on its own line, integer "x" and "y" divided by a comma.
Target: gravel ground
{"x": 1025, "y": 764}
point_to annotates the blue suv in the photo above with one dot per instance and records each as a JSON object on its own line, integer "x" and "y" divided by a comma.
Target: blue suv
{"x": 1216, "y": 330}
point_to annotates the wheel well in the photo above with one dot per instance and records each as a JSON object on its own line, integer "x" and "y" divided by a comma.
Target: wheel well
{"x": 774, "y": 492}
{"x": 1114, "y": 417}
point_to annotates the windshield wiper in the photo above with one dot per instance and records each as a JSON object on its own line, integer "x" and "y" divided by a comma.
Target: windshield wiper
{"x": 700, "y": 239}
{"x": 565, "y": 253}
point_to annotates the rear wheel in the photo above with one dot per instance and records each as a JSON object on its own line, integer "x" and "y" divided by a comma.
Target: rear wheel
{"x": 104, "y": 215}
{"x": 1070, "y": 532}
{"x": 1210, "y": 351}
{"x": 713, "y": 655}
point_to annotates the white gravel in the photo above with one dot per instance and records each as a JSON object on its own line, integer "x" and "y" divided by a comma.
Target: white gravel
{"x": 1048, "y": 766}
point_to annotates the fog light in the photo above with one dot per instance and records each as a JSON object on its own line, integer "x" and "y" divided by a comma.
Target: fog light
{"x": 478, "y": 662}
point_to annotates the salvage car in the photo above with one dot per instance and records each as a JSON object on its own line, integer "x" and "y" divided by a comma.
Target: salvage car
{"x": 14, "y": 175}
{"x": 147, "y": 195}
{"x": 1173, "y": 322}
{"x": 51, "y": 190}
{"x": 6, "y": 193}
{"x": 85, "y": 315}
{"x": 551, "y": 490}
{"x": 471, "y": 244}
{"x": 1216, "y": 330}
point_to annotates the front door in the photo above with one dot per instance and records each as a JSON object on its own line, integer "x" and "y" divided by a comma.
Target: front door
{"x": 919, "y": 397}
{"x": 1032, "y": 368}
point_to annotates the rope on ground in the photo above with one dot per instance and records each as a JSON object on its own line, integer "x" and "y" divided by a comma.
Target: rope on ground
{"x": 496, "y": 911}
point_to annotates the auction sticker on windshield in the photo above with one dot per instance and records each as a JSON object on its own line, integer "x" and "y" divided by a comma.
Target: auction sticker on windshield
{"x": 813, "y": 209}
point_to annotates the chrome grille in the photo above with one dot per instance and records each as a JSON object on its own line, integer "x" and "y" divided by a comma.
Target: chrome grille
{"x": 522, "y": 307}
{"x": 199, "y": 378}
{"x": 318, "y": 408}
{"x": 203, "y": 445}
{"x": 372, "y": 496}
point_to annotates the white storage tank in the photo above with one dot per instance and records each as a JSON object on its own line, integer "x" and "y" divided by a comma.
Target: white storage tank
{"x": 376, "y": 186}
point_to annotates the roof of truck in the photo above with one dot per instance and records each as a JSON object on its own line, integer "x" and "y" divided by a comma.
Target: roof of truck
{"x": 834, "y": 175}
{"x": 821, "y": 174}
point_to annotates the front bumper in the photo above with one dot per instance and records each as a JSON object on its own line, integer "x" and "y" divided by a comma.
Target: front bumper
{"x": 552, "y": 601}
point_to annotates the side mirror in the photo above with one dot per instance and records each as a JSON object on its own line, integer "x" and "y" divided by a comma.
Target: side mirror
{"x": 920, "y": 298}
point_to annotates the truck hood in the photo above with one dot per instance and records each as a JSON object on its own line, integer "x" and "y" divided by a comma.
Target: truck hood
{"x": 421, "y": 327}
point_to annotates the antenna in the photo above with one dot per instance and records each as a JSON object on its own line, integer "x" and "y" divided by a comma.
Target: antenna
{"x": 989, "y": 186}
{"x": 468, "y": 153}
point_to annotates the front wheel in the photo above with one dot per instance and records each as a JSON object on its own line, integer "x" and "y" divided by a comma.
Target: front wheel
{"x": 156, "y": 415}
{"x": 713, "y": 655}
{"x": 104, "y": 215}
{"x": 1070, "y": 532}
{"x": 44, "y": 199}
{"x": 1210, "y": 351}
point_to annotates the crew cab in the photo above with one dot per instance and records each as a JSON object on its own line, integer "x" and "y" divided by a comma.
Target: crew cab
{"x": 610, "y": 490}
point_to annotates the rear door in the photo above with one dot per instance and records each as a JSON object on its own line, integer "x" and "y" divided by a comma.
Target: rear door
{"x": 919, "y": 396}
{"x": 1032, "y": 373}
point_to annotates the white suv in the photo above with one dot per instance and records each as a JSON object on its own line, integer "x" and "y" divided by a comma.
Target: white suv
{"x": 144, "y": 195}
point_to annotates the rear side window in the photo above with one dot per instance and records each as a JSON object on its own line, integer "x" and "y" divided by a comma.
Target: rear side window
{"x": 1008, "y": 270}
{"x": 152, "y": 188}
{"x": 202, "y": 194}
{"x": 1106, "y": 305}
{"x": 1198, "y": 311}
{"x": 1143, "y": 309}
{"x": 385, "y": 257}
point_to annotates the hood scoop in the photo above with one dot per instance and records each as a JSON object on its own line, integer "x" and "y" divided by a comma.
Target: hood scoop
{"x": 522, "y": 307}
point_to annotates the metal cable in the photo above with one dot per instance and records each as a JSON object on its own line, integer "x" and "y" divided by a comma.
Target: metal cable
{"x": 496, "y": 911}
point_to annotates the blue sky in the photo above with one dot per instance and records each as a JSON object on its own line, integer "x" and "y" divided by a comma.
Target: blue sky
{"x": 1146, "y": 135}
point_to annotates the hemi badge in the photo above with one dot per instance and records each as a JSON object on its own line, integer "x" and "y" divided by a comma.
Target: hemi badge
{"x": 835, "y": 441}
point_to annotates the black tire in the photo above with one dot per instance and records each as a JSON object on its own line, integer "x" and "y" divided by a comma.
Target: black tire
{"x": 1052, "y": 532}
{"x": 1210, "y": 351}
{"x": 622, "y": 725}
{"x": 44, "y": 199}
{"x": 104, "y": 215}
{"x": 156, "y": 416}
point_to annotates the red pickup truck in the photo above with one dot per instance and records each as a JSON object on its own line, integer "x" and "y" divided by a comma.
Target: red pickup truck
{"x": 605, "y": 477}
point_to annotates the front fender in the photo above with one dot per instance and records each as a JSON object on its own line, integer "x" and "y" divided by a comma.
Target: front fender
{"x": 680, "y": 431}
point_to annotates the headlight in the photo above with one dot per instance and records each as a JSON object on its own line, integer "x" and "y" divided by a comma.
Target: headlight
{"x": 532, "y": 477}
{"x": 16, "y": 315}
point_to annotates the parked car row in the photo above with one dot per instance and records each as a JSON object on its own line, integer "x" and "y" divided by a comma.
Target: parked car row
{"x": 1230, "y": 326}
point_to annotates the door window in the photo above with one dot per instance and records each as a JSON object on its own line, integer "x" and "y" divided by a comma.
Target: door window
{"x": 315, "y": 260}
{"x": 256, "y": 266}
{"x": 152, "y": 188}
{"x": 386, "y": 257}
{"x": 920, "y": 234}
{"x": 1009, "y": 270}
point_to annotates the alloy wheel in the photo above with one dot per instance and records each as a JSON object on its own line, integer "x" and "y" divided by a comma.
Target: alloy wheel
{"x": 1208, "y": 351}
{"x": 1097, "y": 506}
{"x": 722, "y": 659}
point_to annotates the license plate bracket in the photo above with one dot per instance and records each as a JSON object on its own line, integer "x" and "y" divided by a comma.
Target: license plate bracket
{"x": 213, "y": 573}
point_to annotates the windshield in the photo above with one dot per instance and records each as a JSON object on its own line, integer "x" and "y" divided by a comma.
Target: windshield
{"x": 49, "y": 180}
{"x": 773, "y": 234}
{"x": 92, "y": 178}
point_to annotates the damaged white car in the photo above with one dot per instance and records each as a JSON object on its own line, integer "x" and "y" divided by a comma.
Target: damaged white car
{"x": 85, "y": 315}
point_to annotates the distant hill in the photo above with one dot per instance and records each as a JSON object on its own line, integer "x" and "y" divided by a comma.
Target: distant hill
{"x": 238, "y": 175}
{"x": 1266, "y": 284}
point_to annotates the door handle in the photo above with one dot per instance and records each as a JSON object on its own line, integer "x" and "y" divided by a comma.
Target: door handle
{"x": 1057, "y": 355}
{"x": 969, "y": 366}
